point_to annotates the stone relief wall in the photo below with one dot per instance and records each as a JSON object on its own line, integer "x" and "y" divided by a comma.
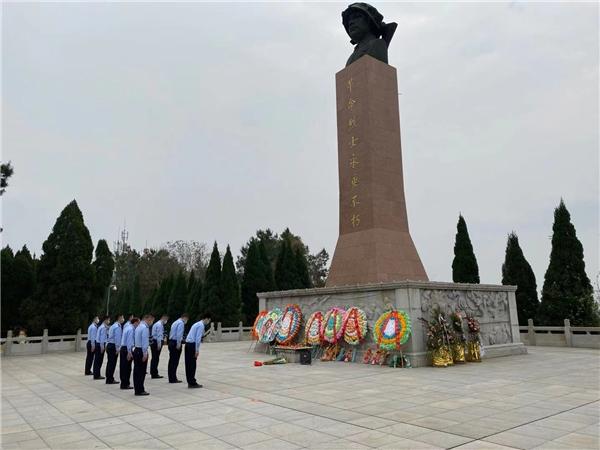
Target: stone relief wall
{"x": 490, "y": 308}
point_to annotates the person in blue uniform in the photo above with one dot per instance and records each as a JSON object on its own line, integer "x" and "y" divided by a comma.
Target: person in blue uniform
{"x": 91, "y": 345}
{"x": 126, "y": 356}
{"x": 101, "y": 336}
{"x": 140, "y": 354}
{"x": 175, "y": 343}
{"x": 113, "y": 347}
{"x": 158, "y": 336}
{"x": 192, "y": 347}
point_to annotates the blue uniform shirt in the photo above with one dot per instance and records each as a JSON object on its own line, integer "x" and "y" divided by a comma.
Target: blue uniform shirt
{"x": 195, "y": 334}
{"x": 101, "y": 335}
{"x": 92, "y": 331}
{"x": 176, "y": 332}
{"x": 114, "y": 334}
{"x": 127, "y": 340}
{"x": 142, "y": 337}
{"x": 158, "y": 333}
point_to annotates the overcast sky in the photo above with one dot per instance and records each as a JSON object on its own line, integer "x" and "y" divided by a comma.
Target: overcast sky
{"x": 209, "y": 121}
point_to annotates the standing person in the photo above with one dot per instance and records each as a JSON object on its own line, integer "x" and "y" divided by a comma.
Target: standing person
{"x": 175, "y": 342}
{"x": 140, "y": 353}
{"x": 192, "y": 346}
{"x": 158, "y": 335}
{"x": 91, "y": 345}
{"x": 127, "y": 345}
{"x": 113, "y": 347}
{"x": 101, "y": 335}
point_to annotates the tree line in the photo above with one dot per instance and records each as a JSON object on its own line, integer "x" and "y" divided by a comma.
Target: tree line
{"x": 71, "y": 281}
{"x": 567, "y": 292}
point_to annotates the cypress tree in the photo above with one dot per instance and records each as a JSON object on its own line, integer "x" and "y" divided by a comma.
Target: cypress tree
{"x": 230, "y": 310}
{"x": 567, "y": 291}
{"x": 251, "y": 282}
{"x": 161, "y": 300}
{"x": 517, "y": 271}
{"x": 194, "y": 302}
{"x": 267, "y": 268}
{"x": 302, "y": 268}
{"x": 104, "y": 265}
{"x": 178, "y": 296}
{"x": 211, "y": 292}
{"x": 23, "y": 283}
{"x": 464, "y": 265}
{"x": 286, "y": 273}
{"x": 63, "y": 298}
{"x": 9, "y": 303}
{"x": 135, "y": 306}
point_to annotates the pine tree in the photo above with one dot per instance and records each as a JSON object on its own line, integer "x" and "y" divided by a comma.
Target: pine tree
{"x": 104, "y": 265}
{"x": 211, "y": 292}
{"x": 23, "y": 283}
{"x": 286, "y": 273}
{"x": 567, "y": 291}
{"x": 63, "y": 299}
{"x": 9, "y": 303}
{"x": 230, "y": 292}
{"x": 516, "y": 271}
{"x": 251, "y": 282}
{"x": 178, "y": 296}
{"x": 464, "y": 265}
{"x": 161, "y": 299}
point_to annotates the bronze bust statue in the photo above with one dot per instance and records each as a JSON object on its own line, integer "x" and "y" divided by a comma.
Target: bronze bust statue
{"x": 367, "y": 31}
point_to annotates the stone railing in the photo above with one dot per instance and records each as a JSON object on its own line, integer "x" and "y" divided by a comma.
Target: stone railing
{"x": 565, "y": 336}
{"x": 39, "y": 345}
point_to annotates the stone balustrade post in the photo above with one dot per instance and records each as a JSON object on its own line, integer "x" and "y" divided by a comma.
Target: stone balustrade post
{"x": 241, "y": 331}
{"x": 45, "y": 341}
{"x": 530, "y": 332}
{"x": 78, "y": 340}
{"x": 9, "y": 343}
{"x": 219, "y": 332}
{"x": 568, "y": 335}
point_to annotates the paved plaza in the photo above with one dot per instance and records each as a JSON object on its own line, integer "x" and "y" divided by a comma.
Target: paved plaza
{"x": 548, "y": 398}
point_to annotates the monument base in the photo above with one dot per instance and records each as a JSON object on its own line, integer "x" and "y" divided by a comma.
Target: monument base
{"x": 493, "y": 306}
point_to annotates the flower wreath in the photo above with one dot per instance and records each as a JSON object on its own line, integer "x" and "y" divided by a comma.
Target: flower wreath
{"x": 355, "y": 325}
{"x": 257, "y": 324}
{"x": 270, "y": 325}
{"x": 392, "y": 329}
{"x": 312, "y": 331}
{"x": 332, "y": 328}
{"x": 290, "y": 324}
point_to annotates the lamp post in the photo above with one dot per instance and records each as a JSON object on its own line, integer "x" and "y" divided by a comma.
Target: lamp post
{"x": 112, "y": 287}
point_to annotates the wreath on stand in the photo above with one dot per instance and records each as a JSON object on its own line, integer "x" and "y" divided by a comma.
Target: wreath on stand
{"x": 290, "y": 325}
{"x": 355, "y": 325}
{"x": 332, "y": 328}
{"x": 312, "y": 331}
{"x": 257, "y": 324}
{"x": 270, "y": 326}
{"x": 392, "y": 329}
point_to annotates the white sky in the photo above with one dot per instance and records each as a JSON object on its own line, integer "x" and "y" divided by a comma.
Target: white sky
{"x": 209, "y": 121}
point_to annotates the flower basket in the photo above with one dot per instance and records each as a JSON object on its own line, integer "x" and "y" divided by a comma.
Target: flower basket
{"x": 473, "y": 351}
{"x": 458, "y": 353}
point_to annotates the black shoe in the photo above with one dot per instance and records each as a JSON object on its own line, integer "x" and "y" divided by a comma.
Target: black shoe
{"x": 89, "y": 373}
{"x": 194, "y": 386}
{"x": 143, "y": 393}
{"x": 127, "y": 387}
{"x": 157, "y": 376}
{"x": 113, "y": 382}
{"x": 99, "y": 378}
{"x": 176, "y": 381}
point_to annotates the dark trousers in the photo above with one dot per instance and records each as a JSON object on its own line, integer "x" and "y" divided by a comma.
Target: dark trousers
{"x": 89, "y": 358}
{"x": 155, "y": 359}
{"x": 111, "y": 362}
{"x": 139, "y": 370}
{"x": 124, "y": 368}
{"x": 190, "y": 364}
{"x": 174, "y": 356}
{"x": 98, "y": 360}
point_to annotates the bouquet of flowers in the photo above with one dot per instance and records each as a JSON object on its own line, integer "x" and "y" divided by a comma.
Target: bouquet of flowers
{"x": 474, "y": 329}
{"x": 474, "y": 344}
{"x": 457, "y": 343}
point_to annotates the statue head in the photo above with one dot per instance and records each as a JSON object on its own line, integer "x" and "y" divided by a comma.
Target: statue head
{"x": 362, "y": 21}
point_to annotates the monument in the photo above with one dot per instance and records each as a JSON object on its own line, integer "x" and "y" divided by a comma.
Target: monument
{"x": 375, "y": 265}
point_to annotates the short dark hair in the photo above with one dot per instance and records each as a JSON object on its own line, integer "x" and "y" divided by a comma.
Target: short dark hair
{"x": 117, "y": 316}
{"x": 206, "y": 315}
{"x": 148, "y": 316}
{"x": 134, "y": 320}
{"x": 185, "y": 315}
{"x": 164, "y": 315}
{"x": 103, "y": 318}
